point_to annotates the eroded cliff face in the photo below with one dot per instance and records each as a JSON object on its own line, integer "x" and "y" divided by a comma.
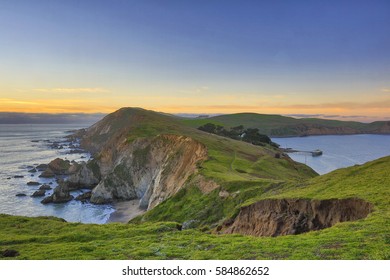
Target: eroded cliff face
{"x": 274, "y": 217}
{"x": 150, "y": 169}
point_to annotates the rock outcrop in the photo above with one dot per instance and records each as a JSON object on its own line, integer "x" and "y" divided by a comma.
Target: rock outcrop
{"x": 150, "y": 169}
{"x": 41, "y": 167}
{"x": 45, "y": 187}
{"x": 274, "y": 217}
{"x": 47, "y": 173}
{"x": 86, "y": 175}
{"x": 59, "y": 166}
{"x": 38, "y": 193}
{"x": 9, "y": 253}
{"x": 84, "y": 197}
{"x": 60, "y": 195}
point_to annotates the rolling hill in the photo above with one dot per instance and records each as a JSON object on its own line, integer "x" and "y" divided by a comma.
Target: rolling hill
{"x": 280, "y": 126}
{"x": 210, "y": 197}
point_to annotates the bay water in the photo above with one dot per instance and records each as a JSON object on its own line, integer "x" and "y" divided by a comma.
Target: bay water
{"x": 339, "y": 151}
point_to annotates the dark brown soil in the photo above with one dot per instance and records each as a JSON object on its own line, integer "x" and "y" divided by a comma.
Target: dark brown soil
{"x": 274, "y": 217}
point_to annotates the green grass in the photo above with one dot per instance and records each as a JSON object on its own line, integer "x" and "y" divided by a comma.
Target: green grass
{"x": 46, "y": 238}
{"x": 247, "y": 173}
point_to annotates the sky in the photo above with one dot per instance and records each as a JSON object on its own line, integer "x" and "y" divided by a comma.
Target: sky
{"x": 300, "y": 58}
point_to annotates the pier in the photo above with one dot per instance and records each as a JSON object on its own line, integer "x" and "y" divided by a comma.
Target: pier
{"x": 315, "y": 153}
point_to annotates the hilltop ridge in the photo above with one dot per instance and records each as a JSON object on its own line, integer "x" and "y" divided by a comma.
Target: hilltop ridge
{"x": 281, "y": 126}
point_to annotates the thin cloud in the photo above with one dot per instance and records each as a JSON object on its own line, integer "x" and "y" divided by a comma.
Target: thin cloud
{"x": 13, "y": 101}
{"x": 385, "y": 90}
{"x": 202, "y": 89}
{"x": 343, "y": 105}
{"x": 72, "y": 90}
{"x": 324, "y": 116}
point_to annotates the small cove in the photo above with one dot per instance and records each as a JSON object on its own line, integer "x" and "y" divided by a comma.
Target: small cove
{"x": 339, "y": 151}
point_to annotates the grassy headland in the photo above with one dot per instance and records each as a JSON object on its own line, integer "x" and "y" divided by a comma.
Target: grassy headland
{"x": 183, "y": 226}
{"x": 51, "y": 238}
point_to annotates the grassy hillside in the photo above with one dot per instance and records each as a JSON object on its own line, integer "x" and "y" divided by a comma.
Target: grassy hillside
{"x": 276, "y": 125}
{"x": 50, "y": 238}
{"x": 183, "y": 226}
{"x": 229, "y": 160}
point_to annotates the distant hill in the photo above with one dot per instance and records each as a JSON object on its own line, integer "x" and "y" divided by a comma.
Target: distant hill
{"x": 280, "y": 126}
{"x": 41, "y": 118}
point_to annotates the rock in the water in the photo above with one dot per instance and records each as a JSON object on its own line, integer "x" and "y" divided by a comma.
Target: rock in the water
{"x": 33, "y": 183}
{"x": 59, "y": 166}
{"x": 56, "y": 145}
{"x": 20, "y": 194}
{"x": 33, "y": 170}
{"x": 60, "y": 195}
{"x": 76, "y": 151}
{"x": 47, "y": 200}
{"x": 84, "y": 197}
{"x": 9, "y": 253}
{"x": 48, "y": 173}
{"x": 18, "y": 176}
{"x": 86, "y": 176}
{"x": 45, "y": 187}
{"x": 41, "y": 167}
{"x": 38, "y": 193}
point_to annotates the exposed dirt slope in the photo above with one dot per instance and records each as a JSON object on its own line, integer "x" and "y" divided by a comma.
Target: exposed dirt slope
{"x": 274, "y": 217}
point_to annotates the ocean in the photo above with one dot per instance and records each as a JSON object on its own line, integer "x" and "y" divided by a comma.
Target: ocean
{"x": 338, "y": 150}
{"x": 25, "y": 146}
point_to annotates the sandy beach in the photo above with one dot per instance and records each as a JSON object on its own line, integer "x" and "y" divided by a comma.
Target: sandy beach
{"x": 125, "y": 211}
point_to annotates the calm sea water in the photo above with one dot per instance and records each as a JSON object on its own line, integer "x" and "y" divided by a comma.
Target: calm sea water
{"x": 338, "y": 151}
{"x": 24, "y": 146}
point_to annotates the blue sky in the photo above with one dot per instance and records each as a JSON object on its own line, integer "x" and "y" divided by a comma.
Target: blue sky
{"x": 285, "y": 57}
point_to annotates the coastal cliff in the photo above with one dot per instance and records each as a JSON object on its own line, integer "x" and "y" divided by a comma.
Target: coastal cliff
{"x": 151, "y": 169}
{"x": 150, "y": 156}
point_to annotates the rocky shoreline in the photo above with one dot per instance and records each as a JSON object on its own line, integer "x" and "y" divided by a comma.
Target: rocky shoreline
{"x": 56, "y": 181}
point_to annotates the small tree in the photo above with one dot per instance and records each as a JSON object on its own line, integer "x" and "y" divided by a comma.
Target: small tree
{"x": 253, "y": 136}
{"x": 208, "y": 127}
